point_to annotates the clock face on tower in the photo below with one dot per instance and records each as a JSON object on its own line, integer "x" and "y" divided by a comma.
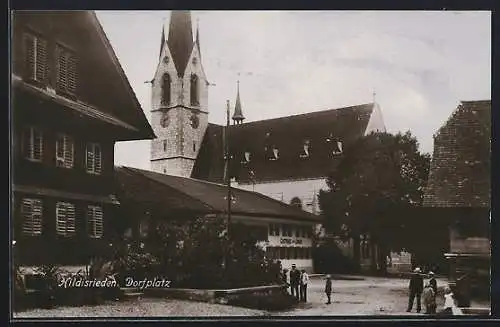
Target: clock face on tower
{"x": 165, "y": 120}
{"x": 195, "y": 121}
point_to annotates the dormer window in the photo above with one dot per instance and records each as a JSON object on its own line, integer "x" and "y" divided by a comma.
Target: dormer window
{"x": 305, "y": 149}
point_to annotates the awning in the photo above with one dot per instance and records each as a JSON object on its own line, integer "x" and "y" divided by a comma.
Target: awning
{"x": 110, "y": 199}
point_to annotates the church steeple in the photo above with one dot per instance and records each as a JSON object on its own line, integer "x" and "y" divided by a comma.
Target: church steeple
{"x": 238, "y": 112}
{"x": 180, "y": 39}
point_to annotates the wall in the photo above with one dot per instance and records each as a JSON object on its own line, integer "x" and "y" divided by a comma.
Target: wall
{"x": 306, "y": 190}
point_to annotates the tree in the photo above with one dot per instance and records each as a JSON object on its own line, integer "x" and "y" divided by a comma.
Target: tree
{"x": 379, "y": 178}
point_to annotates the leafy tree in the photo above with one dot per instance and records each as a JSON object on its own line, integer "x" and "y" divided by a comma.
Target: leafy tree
{"x": 380, "y": 176}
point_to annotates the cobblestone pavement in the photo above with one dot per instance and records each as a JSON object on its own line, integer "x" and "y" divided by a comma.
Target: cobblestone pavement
{"x": 363, "y": 296}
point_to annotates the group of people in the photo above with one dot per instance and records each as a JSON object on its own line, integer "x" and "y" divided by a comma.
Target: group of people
{"x": 297, "y": 280}
{"x": 428, "y": 294}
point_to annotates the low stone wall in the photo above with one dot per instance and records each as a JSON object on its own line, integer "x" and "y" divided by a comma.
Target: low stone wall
{"x": 212, "y": 296}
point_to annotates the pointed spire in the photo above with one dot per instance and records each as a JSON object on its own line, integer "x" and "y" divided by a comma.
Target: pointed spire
{"x": 198, "y": 36}
{"x": 162, "y": 41}
{"x": 180, "y": 38}
{"x": 238, "y": 112}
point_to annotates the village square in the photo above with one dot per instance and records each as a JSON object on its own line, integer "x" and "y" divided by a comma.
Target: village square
{"x": 168, "y": 205}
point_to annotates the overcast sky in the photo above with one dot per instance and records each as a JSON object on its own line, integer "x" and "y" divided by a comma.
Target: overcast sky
{"x": 420, "y": 64}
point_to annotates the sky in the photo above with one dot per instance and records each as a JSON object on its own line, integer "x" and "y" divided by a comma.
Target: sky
{"x": 418, "y": 65}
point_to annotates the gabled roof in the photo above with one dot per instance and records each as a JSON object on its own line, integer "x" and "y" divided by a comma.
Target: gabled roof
{"x": 460, "y": 171}
{"x": 180, "y": 193}
{"x": 321, "y": 130}
{"x": 139, "y": 118}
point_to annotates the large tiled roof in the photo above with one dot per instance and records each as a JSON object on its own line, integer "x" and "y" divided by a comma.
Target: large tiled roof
{"x": 180, "y": 193}
{"x": 288, "y": 135}
{"x": 460, "y": 168}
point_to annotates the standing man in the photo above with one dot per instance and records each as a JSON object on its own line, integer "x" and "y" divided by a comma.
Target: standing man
{"x": 295, "y": 280}
{"x": 328, "y": 288}
{"x": 304, "y": 280}
{"x": 432, "y": 282}
{"x": 416, "y": 288}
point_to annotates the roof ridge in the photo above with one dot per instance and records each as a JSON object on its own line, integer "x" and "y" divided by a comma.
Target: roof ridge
{"x": 308, "y": 113}
{"x": 140, "y": 171}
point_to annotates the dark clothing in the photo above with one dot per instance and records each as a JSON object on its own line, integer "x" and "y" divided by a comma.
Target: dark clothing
{"x": 328, "y": 286}
{"x": 303, "y": 292}
{"x": 430, "y": 309}
{"x": 417, "y": 283}
{"x": 328, "y": 290}
{"x": 433, "y": 284}
{"x": 294, "y": 277}
{"x": 414, "y": 294}
{"x": 445, "y": 312}
{"x": 294, "y": 282}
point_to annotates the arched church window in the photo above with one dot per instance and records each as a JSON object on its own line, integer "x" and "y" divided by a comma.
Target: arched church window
{"x": 165, "y": 89}
{"x": 194, "y": 90}
{"x": 296, "y": 202}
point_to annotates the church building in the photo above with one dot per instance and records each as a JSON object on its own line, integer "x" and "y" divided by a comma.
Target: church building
{"x": 285, "y": 158}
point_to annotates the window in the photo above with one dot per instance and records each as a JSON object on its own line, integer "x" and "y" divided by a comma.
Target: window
{"x": 94, "y": 221}
{"x": 296, "y": 202}
{"x": 194, "y": 146}
{"x": 35, "y": 49}
{"x": 274, "y": 230}
{"x": 32, "y": 213}
{"x": 287, "y": 231}
{"x": 64, "y": 151}
{"x": 93, "y": 158}
{"x": 165, "y": 89}
{"x": 66, "y": 68}
{"x": 165, "y": 144}
{"x": 65, "y": 219}
{"x": 305, "y": 149}
{"x": 282, "y": 253}
{"x": 194, "y": 90}
{"x": 33, "y": 144}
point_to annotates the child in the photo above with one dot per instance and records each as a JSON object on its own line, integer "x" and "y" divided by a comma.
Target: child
{"x": 328, "y": 288}
{"x": 429, "y": 299}
{"x": 450, "y": 308}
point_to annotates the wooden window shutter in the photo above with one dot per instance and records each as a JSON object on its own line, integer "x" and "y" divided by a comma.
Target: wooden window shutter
{"x": 62, "y": 68}
{"x": 64, "y": 151}
{"x": 95, "y": 221}
{"x": 29, "y": 51}
{"x": 90, "y": 158}
{"x": 94, "y": 158}
{"x": 65, "y": 219}
{"x": 33, "y": 144}
{"x": 72, "y": 73}
{"x": 41, "y": 59}
{"x": 32, "y": 211}
{"x": 97, "y": 158}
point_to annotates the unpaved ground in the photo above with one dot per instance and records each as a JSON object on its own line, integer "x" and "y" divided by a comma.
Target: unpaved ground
{"x": 365, "y": 296}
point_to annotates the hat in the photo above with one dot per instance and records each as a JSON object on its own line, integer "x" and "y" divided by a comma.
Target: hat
{"x": 293, "y": 265}
{"x": 431, "y": 273}
{"x": 328, "y": 276}
{"x": 417, "y": 270}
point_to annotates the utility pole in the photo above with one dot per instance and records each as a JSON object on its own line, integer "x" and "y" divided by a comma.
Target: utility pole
{"x": 228, "y": 183}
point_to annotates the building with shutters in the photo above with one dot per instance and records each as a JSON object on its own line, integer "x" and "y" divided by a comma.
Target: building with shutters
{"x": 459, "y": 190}
{"x": 71, "y": 102}
{"x": 286, "y": 158}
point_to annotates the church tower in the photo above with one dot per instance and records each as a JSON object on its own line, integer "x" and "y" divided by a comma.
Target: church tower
{"x": 179, "y": 99}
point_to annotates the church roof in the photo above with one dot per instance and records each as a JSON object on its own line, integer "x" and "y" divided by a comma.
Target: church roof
{"x": 320, "y": 131}
{"x": 460, "y": 171}
{"x": 180, "y": 39}
{"x": 181, "y": 193}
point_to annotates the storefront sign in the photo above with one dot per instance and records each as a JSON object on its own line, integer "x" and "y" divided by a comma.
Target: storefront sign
{"x": 290, "y": 241}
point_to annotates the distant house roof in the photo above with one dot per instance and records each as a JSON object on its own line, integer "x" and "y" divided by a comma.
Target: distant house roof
{"x": 180, "y": 193}
{"x": 460, "y": 168}
{"x": 292, "y": 147}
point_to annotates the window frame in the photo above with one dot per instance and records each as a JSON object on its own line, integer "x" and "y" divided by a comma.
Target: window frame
{"x": 194, "y": 85}
{"x": 92, "y": 169}
{"x": 65, "y": 208}
{"x": 30, "y": 151}
{"x": 70, "y": 54}
{"x": 93, "y": 220}
{"x": 32, "y": 73}
{"x": 165, "y": 101}
{"x": 36, "y": 226}
{"x": 68, "y": 158}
